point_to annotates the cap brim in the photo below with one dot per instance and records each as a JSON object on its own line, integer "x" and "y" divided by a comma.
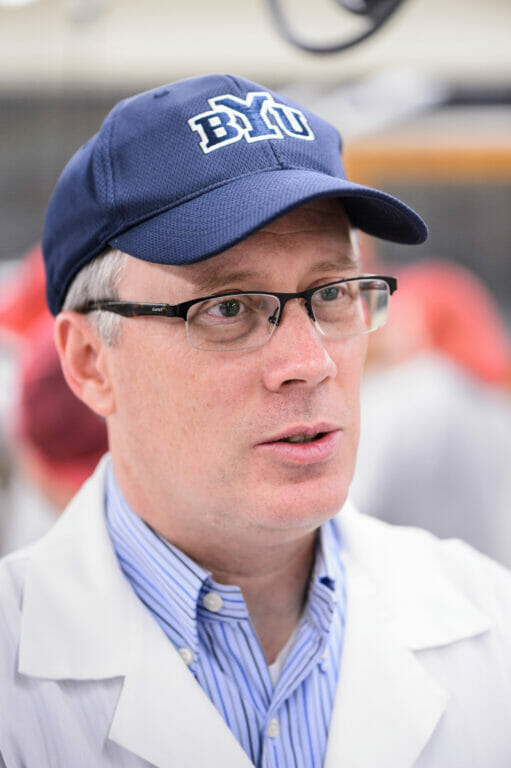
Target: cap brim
{"x": 219, "y": 218}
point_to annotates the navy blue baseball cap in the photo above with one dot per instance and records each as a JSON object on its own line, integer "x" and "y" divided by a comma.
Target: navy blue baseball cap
{"x": 180, "y": 173}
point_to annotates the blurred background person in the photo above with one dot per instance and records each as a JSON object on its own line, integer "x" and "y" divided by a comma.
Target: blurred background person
{"x": 436, "y": 411}
{"x": 50, "y": 441}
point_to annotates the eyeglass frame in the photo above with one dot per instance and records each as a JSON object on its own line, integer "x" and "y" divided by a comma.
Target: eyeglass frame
{"x": 147, "y": 309}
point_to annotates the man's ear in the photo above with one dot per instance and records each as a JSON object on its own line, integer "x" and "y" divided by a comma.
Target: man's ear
{"x": 83, "y": 358}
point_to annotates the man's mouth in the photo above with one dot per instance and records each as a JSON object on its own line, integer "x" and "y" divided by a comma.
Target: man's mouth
{"x": 301, "y": 438}
{"x": 301, "y": 434}
{"x": 303, "y": 444}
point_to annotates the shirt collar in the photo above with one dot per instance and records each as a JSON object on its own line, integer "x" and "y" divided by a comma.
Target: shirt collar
{"x": 327, "y": 586}
{"x": 155, "y": 568}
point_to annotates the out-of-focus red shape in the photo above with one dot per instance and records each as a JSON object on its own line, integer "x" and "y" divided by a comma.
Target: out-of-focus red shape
{"x": 22, "y": 294}
{"x": 67, "y": 436}
{"x": 59, "y": 439}
{"x": 462, "y": 317}
{"x": 443, "y": 306}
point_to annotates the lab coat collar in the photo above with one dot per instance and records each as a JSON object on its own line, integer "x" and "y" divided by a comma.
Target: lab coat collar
{"x": 82, "y": 621}
{"x": 407, "y": 572}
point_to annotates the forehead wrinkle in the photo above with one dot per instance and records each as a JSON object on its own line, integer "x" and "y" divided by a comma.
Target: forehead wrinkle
{"x": 215, "y": 280}
{"x": 342, "y": 264}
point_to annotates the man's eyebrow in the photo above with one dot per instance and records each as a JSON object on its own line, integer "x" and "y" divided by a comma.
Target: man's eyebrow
{"x": 343, "y": 263}
{"x": 218, "y": 280}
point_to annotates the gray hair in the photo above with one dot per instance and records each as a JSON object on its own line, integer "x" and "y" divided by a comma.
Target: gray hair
{"x": 99, "y": 279}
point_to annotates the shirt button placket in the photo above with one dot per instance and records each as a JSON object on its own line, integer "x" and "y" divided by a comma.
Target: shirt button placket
{"x": 187, "y": 655}
{"x": 212, "y": 602}
{"x": 270, "y": 748}
{"x": 273, "y": 728}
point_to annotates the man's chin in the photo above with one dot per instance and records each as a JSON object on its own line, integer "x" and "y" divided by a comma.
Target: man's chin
{"x": 303, "y": 506}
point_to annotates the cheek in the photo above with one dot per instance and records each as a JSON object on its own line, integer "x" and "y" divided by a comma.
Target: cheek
{"x": 190, "y": 393}
{"x": 146, "y": 380}
{"x": 217, "y": 391}
{"x": 350, "y": 359}
{"x": 350, "y": 368}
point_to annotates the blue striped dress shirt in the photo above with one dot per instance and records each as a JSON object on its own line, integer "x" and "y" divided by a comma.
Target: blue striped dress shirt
{"x": 281, "y": 724}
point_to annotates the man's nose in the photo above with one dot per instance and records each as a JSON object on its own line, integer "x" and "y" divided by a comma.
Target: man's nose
{"x": 296, "y": 352}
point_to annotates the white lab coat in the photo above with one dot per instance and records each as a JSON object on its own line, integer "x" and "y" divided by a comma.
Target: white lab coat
{"x": 89, "y": 680}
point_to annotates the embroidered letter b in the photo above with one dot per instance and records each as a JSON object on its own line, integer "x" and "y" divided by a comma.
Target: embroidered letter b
{"x": 216, "y": 128}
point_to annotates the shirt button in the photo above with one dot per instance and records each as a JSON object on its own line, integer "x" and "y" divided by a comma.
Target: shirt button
{"x": 273, "y": 728}
{"x": 213, "y": 602}
{"x": 187, "y": 655}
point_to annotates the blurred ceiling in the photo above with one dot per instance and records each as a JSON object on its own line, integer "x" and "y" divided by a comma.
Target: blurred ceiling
{"x": 125, "y": 44}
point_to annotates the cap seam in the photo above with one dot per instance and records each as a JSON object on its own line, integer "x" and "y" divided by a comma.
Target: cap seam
{"x": 274, "y": 153}
{"x": 269, "y": 143}
{"x": 111, "y": 197}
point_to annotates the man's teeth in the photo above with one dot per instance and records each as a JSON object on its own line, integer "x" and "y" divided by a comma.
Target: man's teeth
{"x": 300, "y": 438}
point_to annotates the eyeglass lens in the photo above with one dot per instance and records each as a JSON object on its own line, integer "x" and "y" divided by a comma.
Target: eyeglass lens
{"x": 232, "y": 322}
{"x": 248, "y": 320}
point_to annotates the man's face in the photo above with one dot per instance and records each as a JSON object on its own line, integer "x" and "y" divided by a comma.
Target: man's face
{"x": 197, "y": 435}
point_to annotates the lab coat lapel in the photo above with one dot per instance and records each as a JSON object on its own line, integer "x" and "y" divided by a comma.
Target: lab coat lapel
{"x": 400, "y": 602}
{"x": 82, "y": 621}
{"x": 386, "y": 706}
{"x": 162, "y": 714}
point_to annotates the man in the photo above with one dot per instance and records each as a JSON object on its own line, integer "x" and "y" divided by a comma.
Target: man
{"x": 200, "y": 603}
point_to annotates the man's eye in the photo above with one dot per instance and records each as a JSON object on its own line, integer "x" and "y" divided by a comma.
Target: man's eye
{"x": 329, "y": 294}
{"x": 229, "y": 308}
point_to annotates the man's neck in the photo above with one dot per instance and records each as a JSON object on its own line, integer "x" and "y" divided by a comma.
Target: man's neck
{"x": 275, "y": 592}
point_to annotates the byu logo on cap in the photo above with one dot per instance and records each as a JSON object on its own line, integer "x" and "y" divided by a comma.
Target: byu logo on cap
{"x": 255, "y": 118}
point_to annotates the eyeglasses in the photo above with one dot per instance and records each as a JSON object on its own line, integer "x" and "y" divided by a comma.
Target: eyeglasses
{"x": 245, "y": 319}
